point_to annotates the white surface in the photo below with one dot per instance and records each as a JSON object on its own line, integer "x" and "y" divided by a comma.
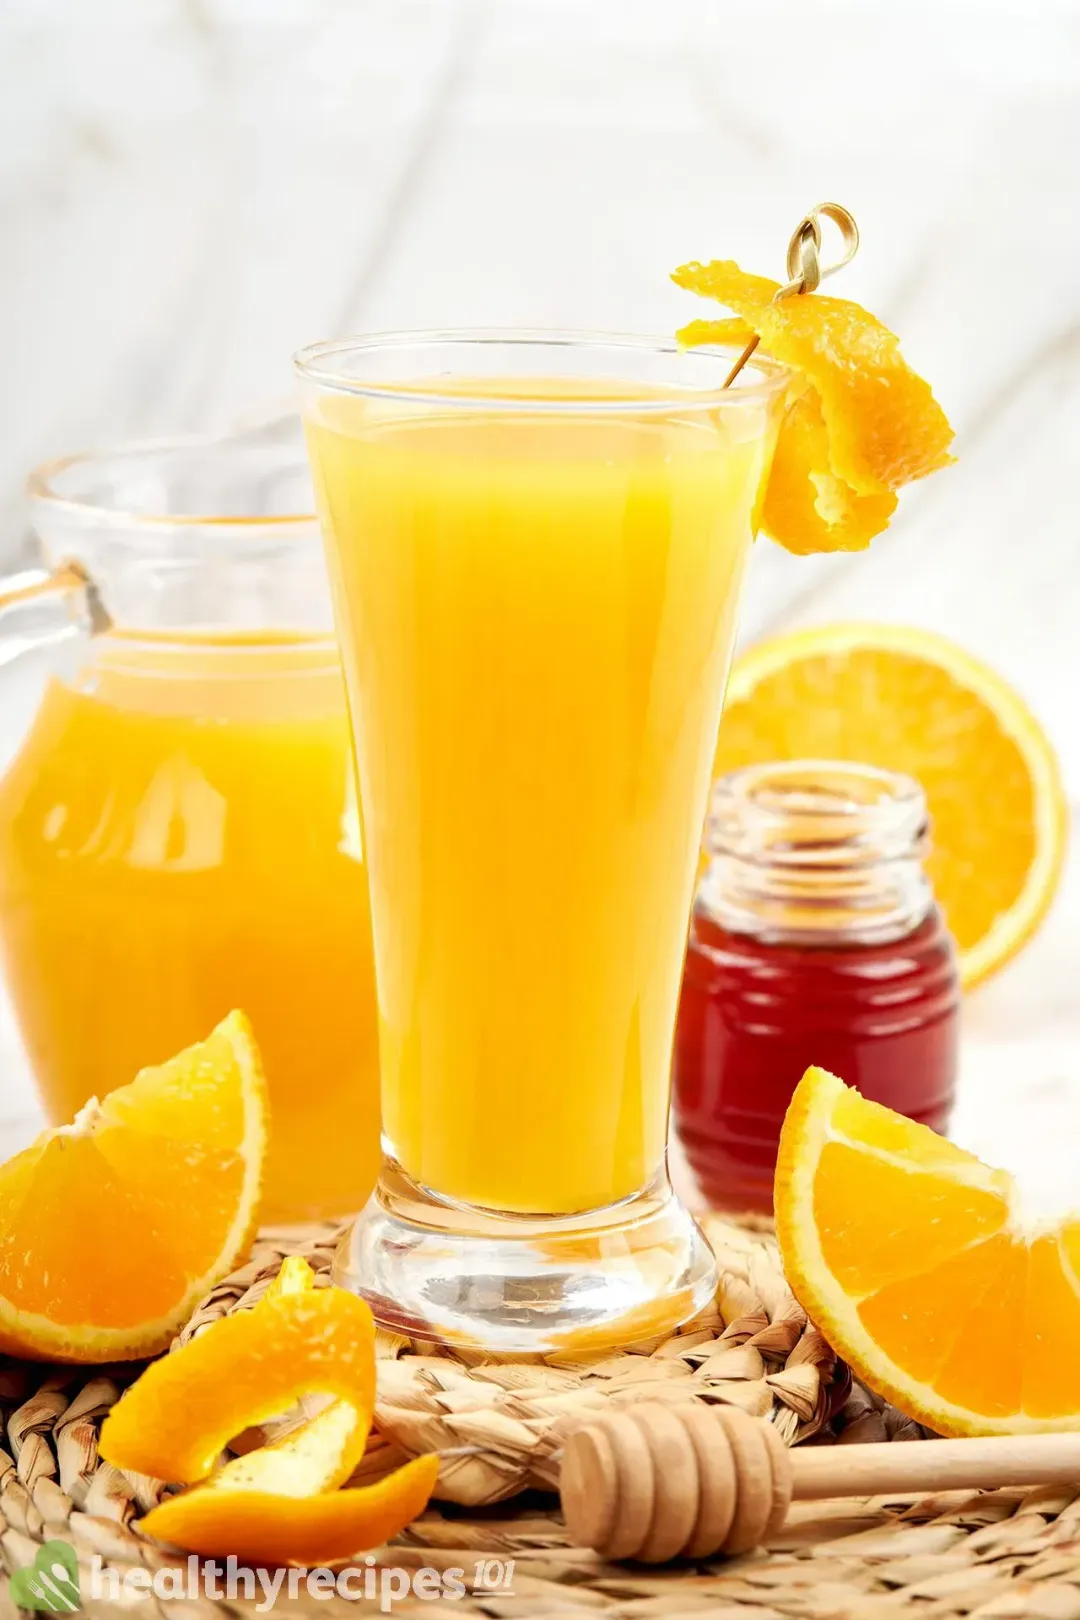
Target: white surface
{"x": 189, "y": 191}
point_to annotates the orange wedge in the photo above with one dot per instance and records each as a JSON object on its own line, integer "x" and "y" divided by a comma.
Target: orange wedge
{"x": 911, "y": 701}
{"x": 112, "y": 1228}
{"x": 914, "y": 1260}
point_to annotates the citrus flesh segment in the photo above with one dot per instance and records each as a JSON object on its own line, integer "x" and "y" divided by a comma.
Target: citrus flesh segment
{"x": 917, "y": 1320}
{"x": 912, "y": 701}
{"x": 175, "y": 1420}
{"x": 970, "y": 1321}
{"x": 865, "y": 1206}
{"x": 112, "y": 1228}
{"x": 894, "y": 1135}
{"x": 1052, "y": 1332}
{"x": 161, "y": 1101}
{"x": 260, "y": 1528}
{"x": 993, "y": 1384}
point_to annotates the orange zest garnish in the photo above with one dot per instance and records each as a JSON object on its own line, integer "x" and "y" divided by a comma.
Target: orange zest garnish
{"x": 112, "y": 1228}
{"x": 280, "y": 1503}
{"x": 860, "y": 423}
{"x": 914, "y": 1260}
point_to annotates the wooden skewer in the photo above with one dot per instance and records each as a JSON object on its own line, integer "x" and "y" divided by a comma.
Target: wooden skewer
{"x": 654, "y": 1481}
{"x": 804, "y": 267}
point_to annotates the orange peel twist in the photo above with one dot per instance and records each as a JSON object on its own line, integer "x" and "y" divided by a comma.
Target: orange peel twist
{"x": 280, "y": 1503}
{"x": 859, "y": 423}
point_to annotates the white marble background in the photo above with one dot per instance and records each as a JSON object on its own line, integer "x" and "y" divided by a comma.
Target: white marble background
{"x": 190, "y": 189}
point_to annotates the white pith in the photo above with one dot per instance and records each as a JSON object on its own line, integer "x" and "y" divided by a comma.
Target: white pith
{"x": 84, "y": 1122}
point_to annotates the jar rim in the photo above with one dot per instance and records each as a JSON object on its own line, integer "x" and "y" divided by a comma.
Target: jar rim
{"x": 814, "y": 850}
{"x": 798, "y": 810}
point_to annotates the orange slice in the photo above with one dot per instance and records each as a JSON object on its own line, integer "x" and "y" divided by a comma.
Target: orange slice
{"x": 911, "y": 701}
{"x": 860, "y": 423}
{"x": 914, "y": 1260}
{"x": 114, "y": 1227}
{"x": 175, "y": 1420}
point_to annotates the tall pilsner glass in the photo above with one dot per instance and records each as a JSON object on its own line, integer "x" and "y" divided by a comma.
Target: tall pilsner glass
{"x": 536, "y": 542}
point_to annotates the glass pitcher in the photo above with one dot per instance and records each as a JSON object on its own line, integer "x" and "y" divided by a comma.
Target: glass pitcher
{"x": 178, "y": 825}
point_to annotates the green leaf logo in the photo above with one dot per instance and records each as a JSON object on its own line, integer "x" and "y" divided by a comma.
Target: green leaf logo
{"x": 52, "y": 1581}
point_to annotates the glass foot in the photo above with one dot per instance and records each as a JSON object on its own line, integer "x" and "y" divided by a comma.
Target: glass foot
{"x": 526, "y": 1284}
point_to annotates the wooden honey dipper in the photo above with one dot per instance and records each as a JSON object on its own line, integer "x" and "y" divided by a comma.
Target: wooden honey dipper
{"x": 654, "y": 1482}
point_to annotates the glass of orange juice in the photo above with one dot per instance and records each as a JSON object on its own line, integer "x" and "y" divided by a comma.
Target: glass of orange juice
{"x": 178, "y": 825}
{"x": 536, "y": 544}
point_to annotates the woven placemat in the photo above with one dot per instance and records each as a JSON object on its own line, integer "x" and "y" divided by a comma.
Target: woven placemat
{"x": 752, "y": 1348}
{"x": 999, "y": 1554}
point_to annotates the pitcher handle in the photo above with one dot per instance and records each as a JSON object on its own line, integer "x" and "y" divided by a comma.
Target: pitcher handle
{"x": 68, "y": 587}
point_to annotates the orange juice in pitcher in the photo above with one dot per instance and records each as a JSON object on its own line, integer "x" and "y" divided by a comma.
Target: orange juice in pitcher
{"x": 178, "y": 827}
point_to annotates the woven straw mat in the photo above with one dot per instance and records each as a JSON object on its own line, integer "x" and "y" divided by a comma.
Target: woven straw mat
{"x": 1004, "y": 1554}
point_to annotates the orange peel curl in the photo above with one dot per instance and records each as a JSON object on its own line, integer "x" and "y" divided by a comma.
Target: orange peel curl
{"x": 175, "y": 1420}
{"x": 859, "y": 423}
{"x": 279, "y": 1503}
{"x": 260, "y": 1527}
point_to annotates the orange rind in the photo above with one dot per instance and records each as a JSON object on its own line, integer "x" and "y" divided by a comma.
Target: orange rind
{"x": 859, "y": 423}
{"x": 280, "y": 1503}
{"x": 917, "y": 1263}
{"x": 908, "y": 700}
{"x": 260, "y": 1528}
{"x": 174, "y": 1421}
{"x": 318, "y": 1455}
{"x": 113, "y": 1228}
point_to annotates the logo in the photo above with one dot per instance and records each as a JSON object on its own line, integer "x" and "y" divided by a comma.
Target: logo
{"x": 386, "y": 1585}
{"x": 51, "y": 1582}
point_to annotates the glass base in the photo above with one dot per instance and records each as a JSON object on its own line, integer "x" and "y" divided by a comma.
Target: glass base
{"x": 526, "y": 1284}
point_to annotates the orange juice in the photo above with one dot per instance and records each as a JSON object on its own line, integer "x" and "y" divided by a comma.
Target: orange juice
{"x": 178, "y": 836}
{"x": 537, "y": 610}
